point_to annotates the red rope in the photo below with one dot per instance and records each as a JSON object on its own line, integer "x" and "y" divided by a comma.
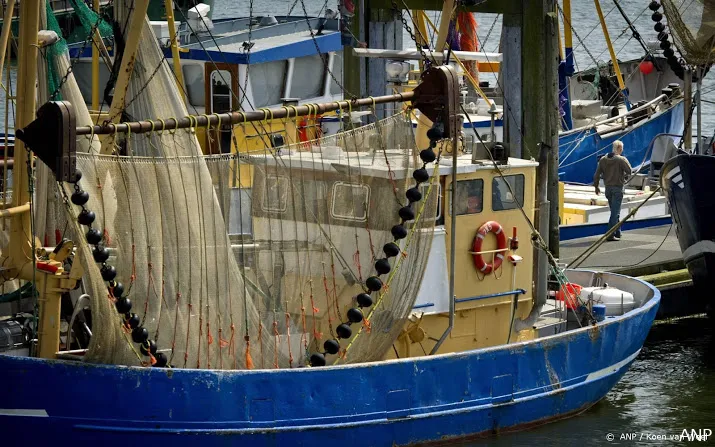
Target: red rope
{"x": 148, "y": 290}
{"x": 249, "y": 360}
{"x": 290, "y": 351}
{"x": 335, "y": 292}
{"x": 356, "y": 261}
{"x": 276, "y": 335}
{"x": 210, "y": 340}
{"x": 107, "y": 239}
{"x": 176, "y": 323}
{"x": 134, "y": 264}
{"x": 188, "y": 331}
{"x": 369, "y": 238}
{"x": 316, "y": 334}
{"x": 163, "y": 301}
{"x": 260, "y": 343}
{"x": 304, "y": 336}
{"x": 468, "y": 39}
{"x": 327, "y": 300}
{"x": 367, "y": 325}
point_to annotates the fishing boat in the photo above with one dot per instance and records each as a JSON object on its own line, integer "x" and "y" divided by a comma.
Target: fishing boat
{"x": 692, "y": 209}
{"x": 302, "y": 58}
{"x": 683, "y": 177}
{"x": 355, "y": 287}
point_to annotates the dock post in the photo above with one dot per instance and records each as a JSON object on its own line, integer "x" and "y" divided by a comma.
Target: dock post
{"x": 553, "y": 117}
{"x": 511, "y": 75}
{"x": 539, "y": 76}
{"x": 354, "y": 75}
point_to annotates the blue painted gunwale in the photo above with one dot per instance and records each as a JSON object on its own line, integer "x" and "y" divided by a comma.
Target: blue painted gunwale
{"x": 577, "y": 161}
{"x": 579, "y": 150}
{"x": 575, "y": 231}
{"x": 398, "y": 402}
{"x": 326, "y": 43}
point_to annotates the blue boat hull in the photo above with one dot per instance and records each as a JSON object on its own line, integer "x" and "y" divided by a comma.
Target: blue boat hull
{"x": 576, "y": 231}
{"x": 579, "y": 151}
{"x": 401, "y": 402}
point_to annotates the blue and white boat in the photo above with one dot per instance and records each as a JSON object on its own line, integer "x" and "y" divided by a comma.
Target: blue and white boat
{"x": 397, "y": 402}
{"x": 284, "y": 57}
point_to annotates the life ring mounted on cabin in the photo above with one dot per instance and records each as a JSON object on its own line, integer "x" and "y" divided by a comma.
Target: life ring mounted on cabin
{"x": 479, "y": 263}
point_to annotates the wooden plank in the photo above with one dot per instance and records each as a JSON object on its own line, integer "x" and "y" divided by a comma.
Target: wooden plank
{"x": 133, "y": 37}
{"x": 511, "y": 79}
{"x": 415, "y": 55}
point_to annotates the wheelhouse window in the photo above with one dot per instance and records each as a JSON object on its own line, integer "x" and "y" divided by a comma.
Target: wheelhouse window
{"x": 469, "y": 197}
{"x": 267, "y": 82}
{"x": 350, "y": 201}
{"x": 275, "y": 194}
{"x": 195, "y": 87}
{"x": 507, "y": 197}
{"x": 308, "y": 76}
{"x": 221, "y": 101}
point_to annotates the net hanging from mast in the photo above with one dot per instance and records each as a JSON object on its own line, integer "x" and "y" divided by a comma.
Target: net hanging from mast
{"x": 258, "y": 253}
{"x": 692, "y": 25}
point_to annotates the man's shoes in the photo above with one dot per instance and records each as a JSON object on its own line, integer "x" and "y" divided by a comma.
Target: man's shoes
{"x": 613, "y": 238}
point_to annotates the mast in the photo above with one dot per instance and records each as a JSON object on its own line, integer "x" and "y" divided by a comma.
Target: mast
{"x": 5, "y": 37}
{"x": 20, "y": 253}
{"x": 20, "y": 248}
{"x": 133, "y": 37}
{"x": 566, "y": 66}
{"x": 169, "y": 5}
{"x": 614, "y": 59}
{"x": 423, "y": 123}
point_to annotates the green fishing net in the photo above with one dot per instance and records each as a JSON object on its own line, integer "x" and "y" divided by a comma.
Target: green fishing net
{"x": 89, "y": 19}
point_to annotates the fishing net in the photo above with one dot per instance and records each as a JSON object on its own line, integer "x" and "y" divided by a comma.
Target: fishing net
{"x": 50, "y": 218}
{"x": 280, "y": 261}
{"x": 243, "y": 260}
{"x": 692, "y": 25}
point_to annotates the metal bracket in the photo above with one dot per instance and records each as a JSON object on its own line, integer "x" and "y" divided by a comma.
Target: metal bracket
{"x": 52, "y": 137}
{"x": 437, "y": 98}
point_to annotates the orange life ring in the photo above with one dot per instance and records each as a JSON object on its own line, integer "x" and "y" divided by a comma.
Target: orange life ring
{"x": 479, "y": 263}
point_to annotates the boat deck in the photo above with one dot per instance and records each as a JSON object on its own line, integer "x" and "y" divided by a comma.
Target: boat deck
{"x": 636, "y": 247}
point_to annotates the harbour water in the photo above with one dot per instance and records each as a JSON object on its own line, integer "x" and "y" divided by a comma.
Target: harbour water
{"x": 667, "y": 390}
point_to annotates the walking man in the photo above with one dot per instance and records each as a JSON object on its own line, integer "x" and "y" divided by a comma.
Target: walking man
{"x": 615, "y": 170}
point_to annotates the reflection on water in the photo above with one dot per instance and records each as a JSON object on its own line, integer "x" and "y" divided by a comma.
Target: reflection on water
{"x": 668, "y": 388}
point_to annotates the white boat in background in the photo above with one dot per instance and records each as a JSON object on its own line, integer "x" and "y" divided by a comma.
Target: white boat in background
{"x": 270, "y": 61}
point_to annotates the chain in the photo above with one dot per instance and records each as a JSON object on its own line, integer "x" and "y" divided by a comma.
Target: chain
{"x": 568, "y": 22}
{"x": 489, "y": 33}
{"x": 248, "y": 50}
{"x": 397, "y": 11}
{"x": 141, "y": 90}
{"x": 94, "y": 28}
